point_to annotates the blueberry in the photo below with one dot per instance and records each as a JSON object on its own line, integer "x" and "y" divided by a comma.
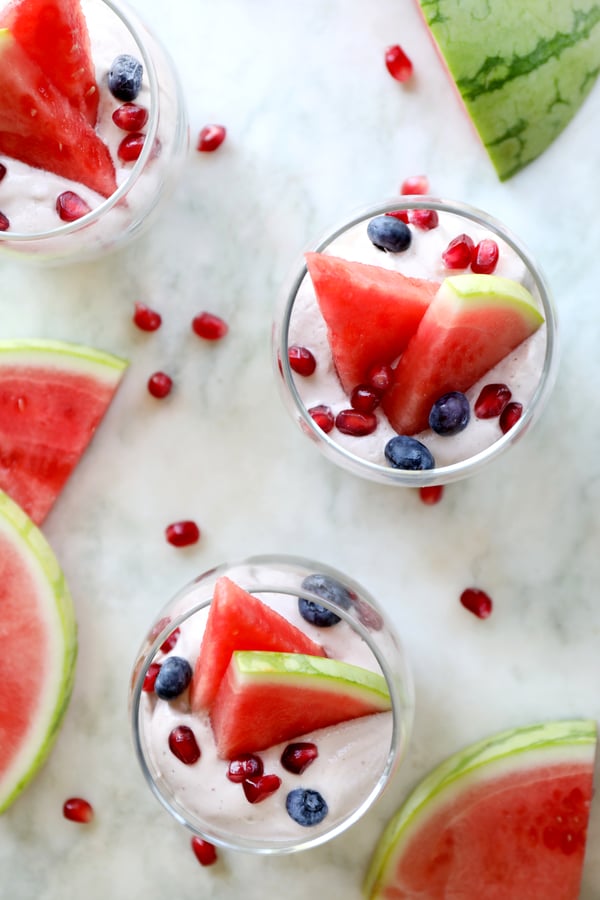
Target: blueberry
{"x": 329, "y": 589}
{"x": 125, "y": 77}
{"x": 306, "y": 807}
{"x": 404, "y": 452}
{"x": 450, "y": 414}
{"x": 174, "y": 676}
{"x": 389, "y": 233}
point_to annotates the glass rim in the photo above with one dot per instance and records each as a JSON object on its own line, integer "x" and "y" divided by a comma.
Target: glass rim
{"x": 439, "y": 474}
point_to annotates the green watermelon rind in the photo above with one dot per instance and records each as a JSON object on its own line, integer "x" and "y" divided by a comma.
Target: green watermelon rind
{"x": 81, "y": 359}
{"x": 30, "y": 542}
{"x": 531, "y": 745}
{"x": 493, "y": 291}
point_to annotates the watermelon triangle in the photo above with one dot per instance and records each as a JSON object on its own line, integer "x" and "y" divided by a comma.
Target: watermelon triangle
{"x": 371, "y": 313}
{"x": 240, "y": 621}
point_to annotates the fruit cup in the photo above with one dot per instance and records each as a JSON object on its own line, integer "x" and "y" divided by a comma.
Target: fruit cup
{"x": 270, "y": 704}
{"x": 416, "y": 342}
{"x": 86, "y": 160}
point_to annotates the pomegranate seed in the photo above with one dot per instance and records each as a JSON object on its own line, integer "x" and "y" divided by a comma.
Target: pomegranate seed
{"x": 4, "y": 222}
{"x": 358, "y": 424}
{"x": 431, "y": 494}
{"x": 145, "y": 318}
{"x": 425, "y": 219}
{"x": 160, "y": 385}
{"x": 170, "y": 641}
{"x": 398, "y": 64}
{"x": 211, "y": 137}
{"x": 182, "y": 534}
{"x": 209, "y": 326}
{"x": 2, "y": 171}
{"x": 205, "y": 852}
{"x": 130, "y": 147}
{"x": 415, "y": 184}
{"x": 491, "y": 401}
{"x": 258, "y": 789}
{"x": 380, "y": 378}
{"x": 296, "y": 757}
{"x": 477, "y": 602}
{"x": 368, "y": 615}
{"x": 510, "y": 415}
{"x": 364, "y": 399}
{"x": 130, "y": 117}
{"x": 301, "y": 360}
{"x": 78, "y": 810}
{"x": 150, "y": 677}
{"x": 323, "y": 416}
{"x": 70, "y": 206}
{"x": 157, "y": 628}
{"x": 485, "y": 256}
{"x": 459, "y": 252}
{"x": 401, "y": 214}
{"x": 183, "y": 745}
{"x": 247, "y": 765}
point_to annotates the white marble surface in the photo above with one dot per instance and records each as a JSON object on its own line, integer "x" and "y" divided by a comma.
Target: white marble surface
{"x": 316, "y": 128}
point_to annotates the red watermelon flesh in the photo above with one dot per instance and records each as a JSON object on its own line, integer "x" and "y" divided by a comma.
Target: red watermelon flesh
{"x": 52, "y": 398}
{"x": 38, "y": 125}
{"x": 371, "y": 313}
{"x": 54, "y": 35}
{"x": 473, "y": 322}
{"x": 238, "y": 620}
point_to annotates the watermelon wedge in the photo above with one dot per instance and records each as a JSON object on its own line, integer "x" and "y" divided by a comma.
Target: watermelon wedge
{"x": 473, "y": 322}
{"x": 238, "y": 620}
{"x": 371, "y": 313}
{"x": 522, "y": 68}
{"x": 506, "y": 818}
{"x": 54, "y": 34}
{"x": 39, "y": 646}
{"x": 267, "y": 698}
{"x": 52, "y": 398}
{"x": 38, "y": 125}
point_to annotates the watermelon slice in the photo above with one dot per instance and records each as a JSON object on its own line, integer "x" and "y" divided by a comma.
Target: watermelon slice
{"x": 472, "y": 323}
{"x": 52, "y": 398}
{"x": 371, "y": 313}
{"x": 267, "y": 698}
{"x": 240, "y": 621}
{"x": 39, "y": 646}
{"x": 505, "y": 818}
{"x": 54, "y": 35}
{"x": 522, "y": 67}
{"x": 38, "y": 125}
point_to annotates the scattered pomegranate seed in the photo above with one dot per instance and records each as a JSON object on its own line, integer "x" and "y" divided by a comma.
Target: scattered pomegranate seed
{"x": 491, "y": 401}
{"x": 398, "y": 64}
{"x": 301, "y": 360}
{"x": 211, "y": 137}
{"x": 78, "y": 810}
{"x": 364, "y": 399}
{"x": 258, "y": 789}
{"x": 247, "y": 765}
{"x": 183, "y": 745}
{"x": 170, "y": 641}
{"x": 323, "y": 416}
{"x": 160, "y": 385}
{"x": 485, "y": 256}
{"x": 2, "y": 171}
{"x": 157, "y": 628}
{"x": 297, "y": 757}
{"x": 401, "y": 214}
{"x": 415, "y": 184}
{"x": 431, "y": 494}
{"x": 70, "y": 206}
{"x": 510, "y": 415}
{"x": 130, "y": 117}
{"x": 4, "y": 222}
{"x": 182, "y": 534}
{"x": 380, "y": 378}
{"x": 459, "y": 252}
{"x": 145, "y": 318}
{"x": 477, "y": 602}
{"x": 358, "y": 424}
{"x": 425, "y": 219}
{"x": 205, "y": 852}
{"x": 368, "y": 615}
{"x": 209, "y": 326}
{"x": 150, "y": 677}
{"x": 130, "y": 147}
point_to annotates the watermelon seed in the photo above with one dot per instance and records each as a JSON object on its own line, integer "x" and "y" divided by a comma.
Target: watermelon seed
{"x": 301, "y": 360}
{"x": 258, "y": 789}
{"x": 145, "y": 318}
{"x": 70, "y": 206}
{"x": 204, "y": 851}
{"x": 183, "y": 745}
{"x": 182, "y": 534}
{"x": 323, "y": 417}
{"x": 477, "y": 602}
{"x": 78, "y": 810}
{"x": 397, "y": 63}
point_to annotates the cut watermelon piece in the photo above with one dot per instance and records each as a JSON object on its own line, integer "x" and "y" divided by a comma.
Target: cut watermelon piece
{"x": 371, "y": 313}
{"x": 522, "y": 67}
{"x": 38, "y": 125}
{"x": 267, "y": 698}
{"x": 238, "y": 620}
{"x": 39, "y": 646}
{"x": 54, "y": 35}
{"x": 473, "y": 322}
{"x": 506, "y": 818}
{"x": 52, "y": 398}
